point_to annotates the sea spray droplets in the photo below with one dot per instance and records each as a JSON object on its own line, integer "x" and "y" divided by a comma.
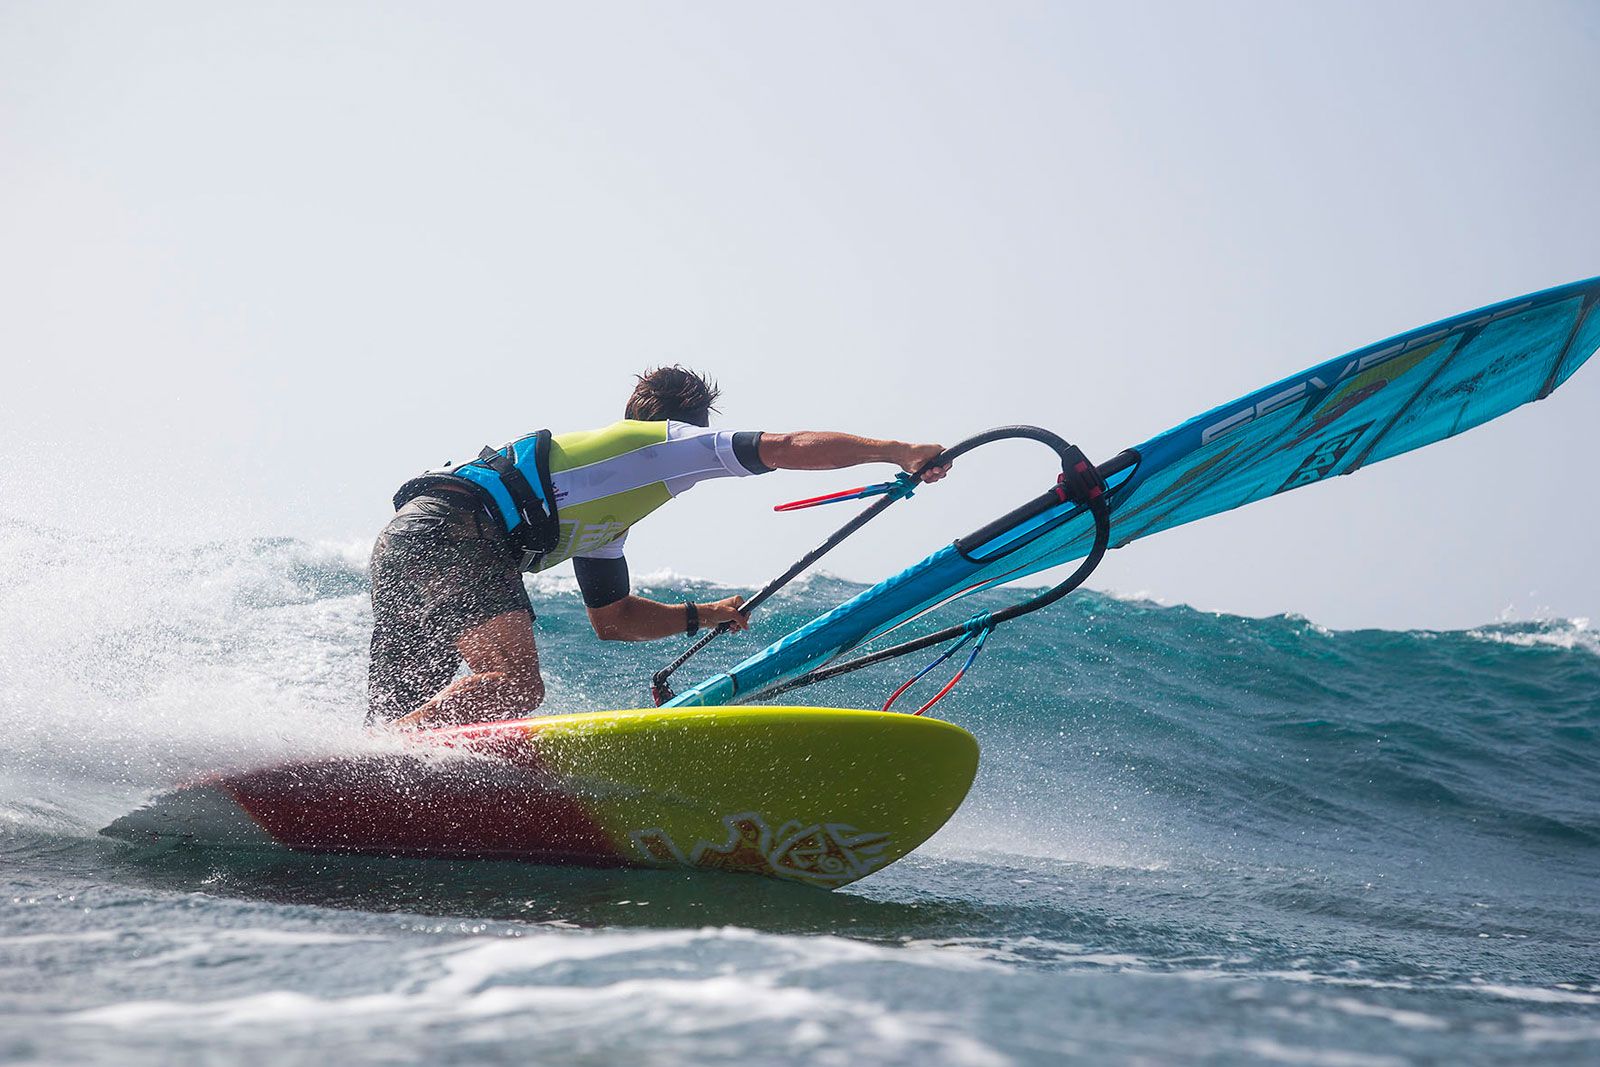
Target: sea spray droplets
{"x": 1186, "y": 826}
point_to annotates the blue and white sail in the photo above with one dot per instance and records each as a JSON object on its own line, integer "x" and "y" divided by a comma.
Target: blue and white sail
{"x": 1333, "y": 419}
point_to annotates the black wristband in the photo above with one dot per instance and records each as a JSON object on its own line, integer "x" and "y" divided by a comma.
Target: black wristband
{"x": 691, "y": 612}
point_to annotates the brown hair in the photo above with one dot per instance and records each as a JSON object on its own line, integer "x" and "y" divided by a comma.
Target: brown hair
{"x": 676, "y": 393}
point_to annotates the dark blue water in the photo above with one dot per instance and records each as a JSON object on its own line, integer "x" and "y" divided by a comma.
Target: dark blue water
{"x": 1193, "y": 838}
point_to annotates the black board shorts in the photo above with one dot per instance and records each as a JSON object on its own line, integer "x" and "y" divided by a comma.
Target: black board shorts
{"x": 438, "y": 569}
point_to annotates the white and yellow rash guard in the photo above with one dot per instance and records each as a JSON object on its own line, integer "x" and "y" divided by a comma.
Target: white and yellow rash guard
{"x": 608, "y": 479}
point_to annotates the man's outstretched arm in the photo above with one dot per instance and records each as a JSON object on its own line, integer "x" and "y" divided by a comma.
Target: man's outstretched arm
{"x": 821, "y": 450}
{"x": 635, "y": 618}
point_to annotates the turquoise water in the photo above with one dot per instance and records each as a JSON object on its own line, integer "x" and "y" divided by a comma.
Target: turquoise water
{"x": 1194, "y": 838}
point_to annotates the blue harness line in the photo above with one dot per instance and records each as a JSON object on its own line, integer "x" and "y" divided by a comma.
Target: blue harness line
{"x": 980, "y": 626}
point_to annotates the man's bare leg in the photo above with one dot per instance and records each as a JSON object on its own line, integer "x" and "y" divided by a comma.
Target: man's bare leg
{"x": 505, "y": 679}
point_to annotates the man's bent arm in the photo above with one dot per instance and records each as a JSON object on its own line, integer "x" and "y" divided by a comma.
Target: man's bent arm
{"x": 820, "y": 450}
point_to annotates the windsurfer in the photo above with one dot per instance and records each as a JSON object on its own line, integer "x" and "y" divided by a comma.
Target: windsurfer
{"x": 447, "y": 570}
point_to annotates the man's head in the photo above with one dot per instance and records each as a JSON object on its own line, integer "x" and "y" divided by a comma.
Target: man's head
{"x": 675, "y": 393}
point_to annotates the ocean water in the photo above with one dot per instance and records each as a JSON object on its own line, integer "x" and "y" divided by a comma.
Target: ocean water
{"x": 1193, "y": 838}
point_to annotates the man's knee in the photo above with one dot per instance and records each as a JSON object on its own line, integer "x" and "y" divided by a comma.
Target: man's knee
{"x": 527, "y": 690}
{"x": 518, "y": 690}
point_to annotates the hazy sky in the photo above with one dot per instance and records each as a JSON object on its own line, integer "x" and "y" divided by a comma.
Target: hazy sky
{"x": 258, "y": 263}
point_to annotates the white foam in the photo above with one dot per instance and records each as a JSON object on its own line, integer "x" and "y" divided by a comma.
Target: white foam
{"x": 528, "y": 976}
{"x": 1138, "y": 596}
{"x": 127, "y": 666}
{"x": 81, "y": 937}
{"x": 1313, "y": 978}
{"x": 1532, "y": 994}
{"x": 1277, "y": 1052}
{"x": 671, "y": 579}
{"x": 1565, "y": 634}
{"x": 1411, "y": 1020}
{"x": 1547, "y": 1030}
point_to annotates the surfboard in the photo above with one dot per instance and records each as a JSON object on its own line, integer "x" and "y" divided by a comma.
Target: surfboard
{"x": 818, "y": 796}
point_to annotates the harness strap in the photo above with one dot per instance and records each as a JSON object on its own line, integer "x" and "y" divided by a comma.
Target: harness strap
{"x": 535, "y": 528}
{"x": 530, "y": 504}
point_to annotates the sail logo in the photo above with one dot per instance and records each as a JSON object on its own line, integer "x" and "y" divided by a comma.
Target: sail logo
{"x": 1312, "y": 386}
{"x": 1316, "y": 385}
{"x": 1321, "y": 462}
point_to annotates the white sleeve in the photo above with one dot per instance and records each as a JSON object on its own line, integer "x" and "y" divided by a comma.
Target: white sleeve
{"x": 609, "y": 550}
{"x": 717, "y": 446}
